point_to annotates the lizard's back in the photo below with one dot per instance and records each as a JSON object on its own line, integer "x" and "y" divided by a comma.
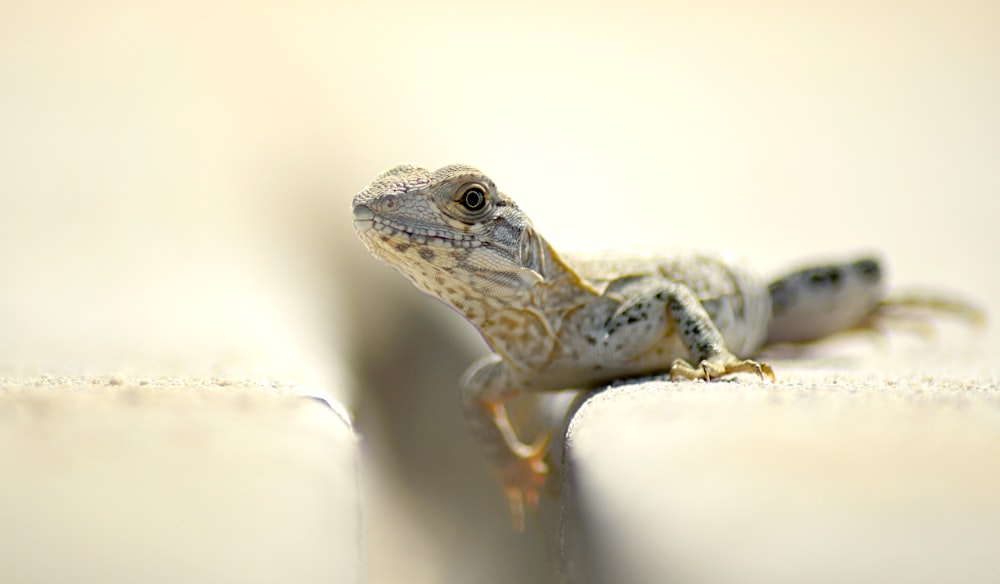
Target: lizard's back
{"x": 735, "y": 296}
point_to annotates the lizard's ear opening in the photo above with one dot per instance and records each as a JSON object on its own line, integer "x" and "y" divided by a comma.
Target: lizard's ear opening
{"x": 530, "y": 253}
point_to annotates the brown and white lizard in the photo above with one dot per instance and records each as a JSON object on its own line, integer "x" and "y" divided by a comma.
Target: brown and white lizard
{"x": 557, "y": 321}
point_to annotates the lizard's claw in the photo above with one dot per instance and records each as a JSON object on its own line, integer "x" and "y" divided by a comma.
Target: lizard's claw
{"x": 521, "y": 478}
{"x": 724, "y": 364}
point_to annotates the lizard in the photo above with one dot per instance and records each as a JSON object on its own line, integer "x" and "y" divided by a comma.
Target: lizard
{"x": 557, "y": 320}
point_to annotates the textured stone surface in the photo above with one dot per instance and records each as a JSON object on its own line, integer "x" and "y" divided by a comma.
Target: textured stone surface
{"x": 837, "y": 473}
{"x": 108, "y": 479}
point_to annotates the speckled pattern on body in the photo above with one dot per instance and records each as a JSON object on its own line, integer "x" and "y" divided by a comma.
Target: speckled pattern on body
{"x": 558, "y": 321}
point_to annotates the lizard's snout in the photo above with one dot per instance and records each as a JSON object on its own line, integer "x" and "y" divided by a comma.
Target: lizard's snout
{"x": 363, "y": 218}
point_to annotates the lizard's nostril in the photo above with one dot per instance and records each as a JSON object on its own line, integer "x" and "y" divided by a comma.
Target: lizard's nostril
{"x": 363, "y": 218}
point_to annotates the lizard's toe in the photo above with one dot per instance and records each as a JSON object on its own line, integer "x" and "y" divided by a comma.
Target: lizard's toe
{"x": 719, "y": 366}
{"x": 764, "y": 370}
{"x": 522, "y": 478}
{"x": 681, "y": 369}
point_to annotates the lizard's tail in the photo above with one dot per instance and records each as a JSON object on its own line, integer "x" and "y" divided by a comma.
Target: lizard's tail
{"x": 815, "y": 302}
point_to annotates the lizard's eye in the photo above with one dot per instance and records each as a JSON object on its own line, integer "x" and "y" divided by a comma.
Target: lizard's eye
{"x": 473, "y": 198}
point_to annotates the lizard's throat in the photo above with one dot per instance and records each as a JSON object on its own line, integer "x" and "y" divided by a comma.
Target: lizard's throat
{"x": 459, "y": 277}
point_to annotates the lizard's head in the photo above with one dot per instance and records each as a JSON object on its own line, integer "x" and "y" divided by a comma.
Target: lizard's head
{"x": 449, "y": 227}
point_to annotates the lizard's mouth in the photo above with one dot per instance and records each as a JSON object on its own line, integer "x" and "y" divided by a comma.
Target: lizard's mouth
{"x": 364, "y": 218}
{"x": 366, "y": 221}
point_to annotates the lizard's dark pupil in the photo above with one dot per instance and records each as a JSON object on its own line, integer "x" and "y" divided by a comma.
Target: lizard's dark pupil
{"x": 474, "y": 199}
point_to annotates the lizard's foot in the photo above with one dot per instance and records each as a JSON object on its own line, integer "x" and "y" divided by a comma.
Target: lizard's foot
{"x": 521, "y": 479}
{"x": 715, "y": 367}
{"x": 522, "y": 473}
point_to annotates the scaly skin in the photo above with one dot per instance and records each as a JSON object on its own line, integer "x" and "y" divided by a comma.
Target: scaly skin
{"x": 557, "y": 322}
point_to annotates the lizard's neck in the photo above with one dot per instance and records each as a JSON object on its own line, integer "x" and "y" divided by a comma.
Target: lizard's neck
{"x": 551, "y": 287}
{"x": 483, "y": 282}
{"x": 557, "y": 278}
{"x": 525, "y": 326}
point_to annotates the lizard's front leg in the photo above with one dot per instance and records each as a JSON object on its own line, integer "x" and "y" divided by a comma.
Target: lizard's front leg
{"x": 485, "y": 390}
{"x": 661, "y": 308}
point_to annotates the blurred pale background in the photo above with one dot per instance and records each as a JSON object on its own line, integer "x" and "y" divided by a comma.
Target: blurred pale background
{"x": 164, "y": 157}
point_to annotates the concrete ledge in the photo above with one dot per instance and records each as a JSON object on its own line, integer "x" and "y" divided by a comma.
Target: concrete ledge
{"x": 108, "y": 479}
{"x": 828, "y": 476}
